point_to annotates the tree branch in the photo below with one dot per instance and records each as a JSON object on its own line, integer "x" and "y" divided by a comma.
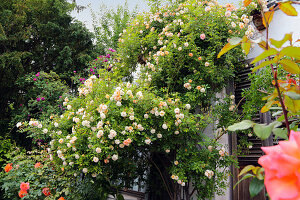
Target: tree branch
{"x": 193, "y": 192}
{"x": 170, "y": 195}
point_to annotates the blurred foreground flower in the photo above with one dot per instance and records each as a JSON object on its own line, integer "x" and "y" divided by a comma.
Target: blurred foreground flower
{"x": 282, "y": 164}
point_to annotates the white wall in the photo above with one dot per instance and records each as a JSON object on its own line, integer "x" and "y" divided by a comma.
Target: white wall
{"x": 279, "y": 26}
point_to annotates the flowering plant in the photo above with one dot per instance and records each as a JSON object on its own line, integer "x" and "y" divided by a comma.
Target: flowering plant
{"x": 112, "y": 129}
{"x": 32, "y": 176}
{"x": 42, "y": 95}
{"x": 282, "y": 184}
{"x": 42, "y": 91}
{"x": 117, "y": 131}
{"x": 178, "y": 45}
{"x": 102, "y": 61}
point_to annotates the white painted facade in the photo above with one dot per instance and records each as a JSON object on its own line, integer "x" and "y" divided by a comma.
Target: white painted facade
{"x": 279, "y": 26}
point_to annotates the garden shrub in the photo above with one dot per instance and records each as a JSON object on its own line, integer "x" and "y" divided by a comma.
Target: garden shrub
{"x": 178, "y": 43}
{"x": 41, "y": 94}
{"x": 5, "y": 146}
{"x": 261, "y": 86}
{"x": 112, "y": 129}
{"x": 31, "y": 176}
{"x": 38, "y": 36}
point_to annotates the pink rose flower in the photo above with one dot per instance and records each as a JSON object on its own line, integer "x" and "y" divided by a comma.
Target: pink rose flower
{"x": 282, "y": 168}
{"x": 202, "y": 36}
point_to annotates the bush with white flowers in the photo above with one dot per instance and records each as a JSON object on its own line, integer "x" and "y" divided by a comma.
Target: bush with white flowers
{"x": 115, "y": 128}
{"x": 179, "y": 44}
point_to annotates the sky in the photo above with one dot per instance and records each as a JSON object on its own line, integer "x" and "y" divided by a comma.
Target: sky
{"x": 86, "y": 17}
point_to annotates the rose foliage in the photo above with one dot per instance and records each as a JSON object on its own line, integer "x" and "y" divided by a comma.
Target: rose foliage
{"x": 112, "y": 129}
{"x": 178, "y": 43}
{"x": 32, "y": 176}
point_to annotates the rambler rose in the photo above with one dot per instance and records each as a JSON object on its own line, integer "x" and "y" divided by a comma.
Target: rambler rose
{"x": 98, "y": 150}
{"x": 202, "y": 36}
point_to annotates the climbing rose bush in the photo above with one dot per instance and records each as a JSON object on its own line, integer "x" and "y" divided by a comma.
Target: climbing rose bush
{"x": 113, "y": 128}
{"x": 177, "y": 45}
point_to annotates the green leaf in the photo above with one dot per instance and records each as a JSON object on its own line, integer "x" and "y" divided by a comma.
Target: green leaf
{"x": 275, "y": 108}
{"x": 265, "y": 54}
{"x": 246, "y": 169}
{"x": 278, "y": 44}
{"x": 226, "y": 48}
{"x": 260, "y": 174}
{"x": 263, "y": 131}
{"x": 120, "y": 197}
{"x": 277, "y": 113}
{"x": 282, "y": 133}
{"x": 246, "y": 47}
{"x": 263, "y": 64}
{"x": 268, "y": 105}
{"x": 255, "y": 187}
{"x": 244, "y": 177}
{"x": 288, "y": 9}
{"x": 241, "y": 125}
{"x": 292, "y": 105}
{"x": 281, "y": 118}
{"x": 290, "y": 66}
{"x": 293, "y": 95}
{"x": 291, "y": 52}
{"x": 294, "y": 126}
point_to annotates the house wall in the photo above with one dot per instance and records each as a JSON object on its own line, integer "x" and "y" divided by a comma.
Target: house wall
{"x": 224, "y": 140}
{"x": 279, "y": 26}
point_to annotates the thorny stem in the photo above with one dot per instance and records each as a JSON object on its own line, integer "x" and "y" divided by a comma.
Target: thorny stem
{"x": 281, "y": 101}
{"x": 274, "y": 72}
